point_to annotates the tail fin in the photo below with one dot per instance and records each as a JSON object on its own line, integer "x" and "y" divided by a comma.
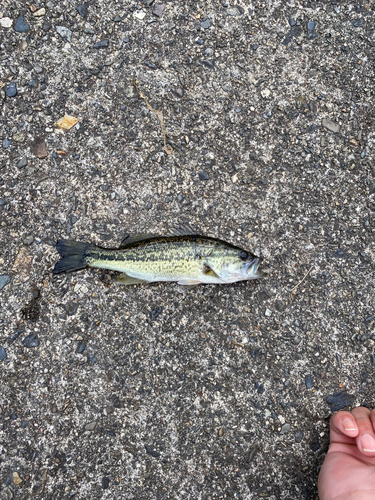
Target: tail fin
{"x": 73, "y": 256}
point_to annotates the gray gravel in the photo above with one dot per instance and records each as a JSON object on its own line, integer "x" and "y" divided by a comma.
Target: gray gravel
{"x": 158, "y": 392}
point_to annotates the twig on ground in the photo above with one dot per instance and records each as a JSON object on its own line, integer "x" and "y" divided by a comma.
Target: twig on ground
{"x": 302, "y": 280}
{"x": 158, "y": 113}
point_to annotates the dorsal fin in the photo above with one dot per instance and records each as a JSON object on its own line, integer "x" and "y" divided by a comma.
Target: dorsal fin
{"x": 184, "y": 230}
{"x": 130, "y": 239}
{"x": 181, "y": 230}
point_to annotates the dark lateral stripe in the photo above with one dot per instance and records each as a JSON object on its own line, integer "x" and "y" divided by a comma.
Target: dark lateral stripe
{"x": 142, "y": 257}
{"x": 105, "y": 256}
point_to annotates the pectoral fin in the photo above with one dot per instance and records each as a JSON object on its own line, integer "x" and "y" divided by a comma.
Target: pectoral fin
{"x": 209, "y": 271}
{"x": 189, "y": 282}
{"x": 124, "y": 279}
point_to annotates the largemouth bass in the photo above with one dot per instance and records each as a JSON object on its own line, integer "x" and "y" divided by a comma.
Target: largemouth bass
{"x": 187, "y": 258}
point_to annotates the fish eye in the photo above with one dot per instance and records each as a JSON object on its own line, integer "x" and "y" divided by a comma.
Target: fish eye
{"x": 243, "y": 255}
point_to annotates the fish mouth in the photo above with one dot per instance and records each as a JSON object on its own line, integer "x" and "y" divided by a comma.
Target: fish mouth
{"x": 253, "y": 271}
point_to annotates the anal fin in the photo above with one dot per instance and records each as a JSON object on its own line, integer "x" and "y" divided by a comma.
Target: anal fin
{"x": 124, "y": 279}
{"x": 188, "y": 282}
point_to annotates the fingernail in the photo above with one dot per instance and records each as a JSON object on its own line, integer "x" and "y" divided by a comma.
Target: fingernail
{"x": 348, "y": 425}
{"x": 368, "y": 443}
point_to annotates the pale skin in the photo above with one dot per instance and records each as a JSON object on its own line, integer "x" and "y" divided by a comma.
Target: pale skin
{"x": 348, "y": 471}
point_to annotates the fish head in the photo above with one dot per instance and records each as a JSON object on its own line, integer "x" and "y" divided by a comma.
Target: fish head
{"x": 234, "y": 264}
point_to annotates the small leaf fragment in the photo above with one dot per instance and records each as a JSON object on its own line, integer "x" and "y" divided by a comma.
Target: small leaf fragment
{"x": 66, "y": 123}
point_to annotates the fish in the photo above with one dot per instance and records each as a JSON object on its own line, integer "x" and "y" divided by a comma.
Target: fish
{"x": 183, "y": 257}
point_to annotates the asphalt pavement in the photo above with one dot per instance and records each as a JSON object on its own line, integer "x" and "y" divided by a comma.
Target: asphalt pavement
{"x": 157, "y": 391}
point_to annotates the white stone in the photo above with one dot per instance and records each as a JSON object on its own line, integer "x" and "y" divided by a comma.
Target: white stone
{"x": 39, "y": 12}
{"x": 139, "y": 14}
{"x": 6, "y": 22}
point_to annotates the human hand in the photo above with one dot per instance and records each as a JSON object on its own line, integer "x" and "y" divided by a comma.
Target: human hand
{"x": 348, "y": 471}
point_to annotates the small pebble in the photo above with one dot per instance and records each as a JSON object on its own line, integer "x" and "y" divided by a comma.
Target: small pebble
{"x": 152, "y": 452}
{"x": 139, "y": 14}
{"x": 311, "y": 25}
{"x": 285, "y": 428}
{"x": 22, "y": 163}
{"x": 3, "y": 353}
{"x": 298, "y": 436}
{"x": 64, "y": 32}
{"x": 308, "y": 382}
{"x": 21, "y": 25}
{"x": 31, "y": 341}
{"x": 200, "y": 41}
{"x": 28, "y": 240}
{"x": 11, "y": 89}
{"x": 105, "y": 483}
{"x": 102, "y": 44}
{"x": 150, "y": 65}
{"x": 208, "y": 52}
{"x": 209, "y": 64}
{"x": 357, "y": 23}
{"x": 6, "y": 22}
{"x": 179, "y": 92}
{"x": 90, "y": 426}
{"x": 158, "y": 9}
{"x": 46, "y": 26}
{"x": 330, "y": 125}
{"x": 268, "y": 312}
{"x": 4, "y": 279}
{"x": 82, "y": 9}
{"x": 338, "y": 357}
{"x": 203, "y": 176}
{"x": 16, "y": 478}
{"x": 340, "y": 400}
{"x": 81, "y": 348}
{"x": 311, "y": 30}
{"x": 40, "y": 12}
{"x": 6, "y": 143}
{"x": 292, "y": 22}
{"x": 206, "y": 24}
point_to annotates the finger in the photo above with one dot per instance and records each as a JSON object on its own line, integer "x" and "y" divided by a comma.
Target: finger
{"x": 343, "y": 428}
{"x": 366, "y": 436}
